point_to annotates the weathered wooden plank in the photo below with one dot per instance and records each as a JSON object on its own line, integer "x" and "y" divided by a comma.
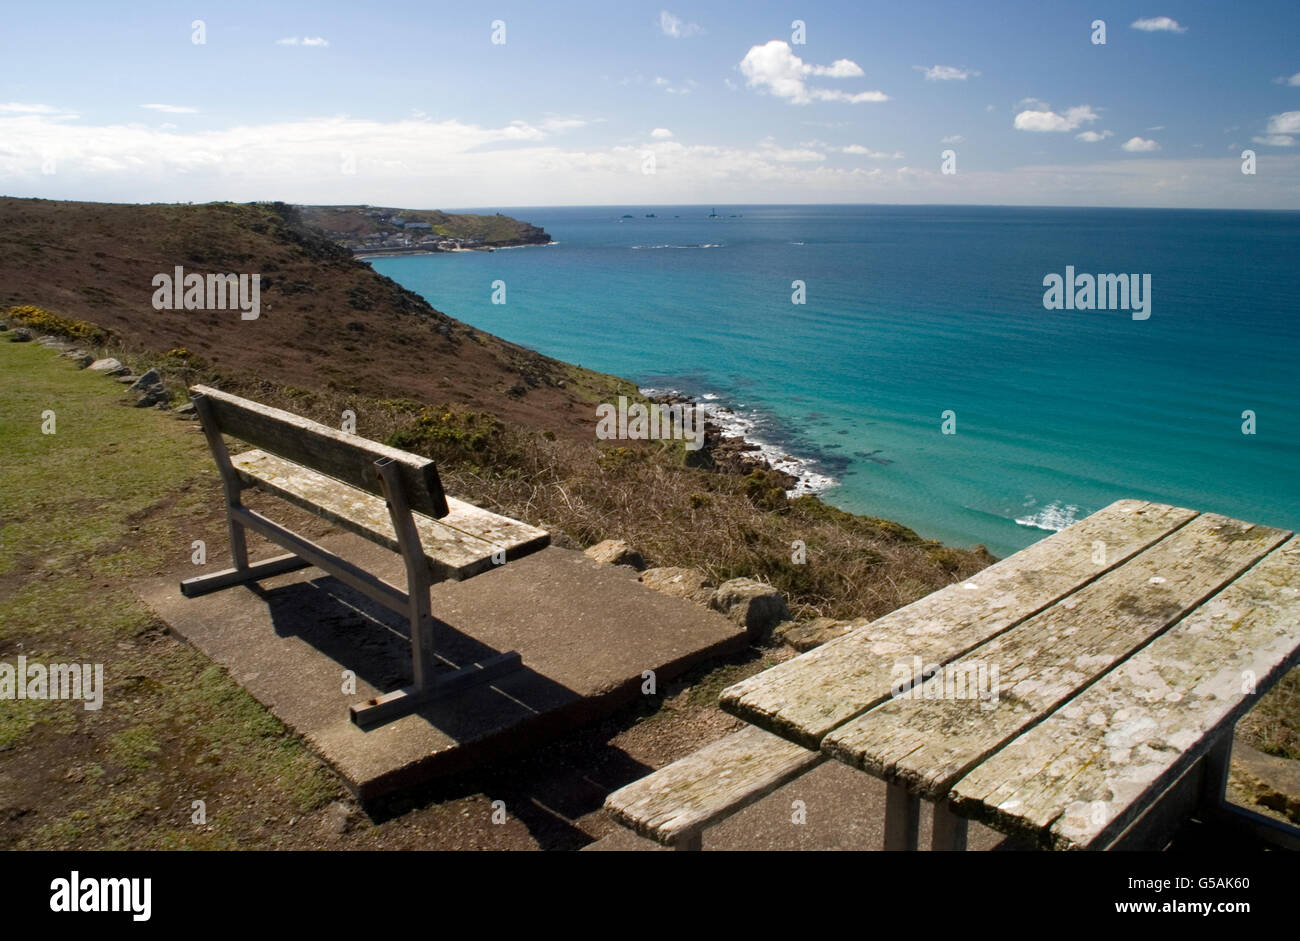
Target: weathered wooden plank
{"x": 804, "y": 698}
{"x": 452, "y": 553}
{"x": 349, "y": 458}
{"x": 932, "y": 736}
{"x": 1086, "y": 772}
{"x": 683, "y": 798}
{"x": 516, "y": 538}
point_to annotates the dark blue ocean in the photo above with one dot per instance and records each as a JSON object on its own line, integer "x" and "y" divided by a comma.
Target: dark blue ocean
{"x": 914, "y": 311}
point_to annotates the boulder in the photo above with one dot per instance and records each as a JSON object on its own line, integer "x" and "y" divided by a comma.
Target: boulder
{"x": 753, "y": 605}
{"x": 154, "y": 395}
{"x": 108, "y": 366}
{"x": 680, "y": 583}
{"x": 80, "y": 357}
{"x": 616, "y": 552}
{"x": 186, "y": 408}
{"x": 810, "y": 634}
{"x": 20, "y": 335}
{"x": 151, "y": 378}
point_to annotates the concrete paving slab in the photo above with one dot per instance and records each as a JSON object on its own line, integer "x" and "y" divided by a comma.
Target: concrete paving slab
{"x": 842, "y": 809}
{"x": 585, "y": 631}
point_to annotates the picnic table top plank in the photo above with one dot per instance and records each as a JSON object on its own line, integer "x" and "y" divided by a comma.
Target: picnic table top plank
{"x": 451, "y": 544}
{"x": 805, "y": 698}
{"x": 1082, "y": 775}
{"x": 929, "y": 738}
{"x": 346, "y": 457}
{"x": 690, "y": 794}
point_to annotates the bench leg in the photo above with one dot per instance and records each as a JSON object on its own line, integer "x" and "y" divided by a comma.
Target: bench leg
{"x": 690, "y": 842}
{"x": 949, "y": 832}
{"x": 1214, "y": 773}
{"x": 902, "y": 817}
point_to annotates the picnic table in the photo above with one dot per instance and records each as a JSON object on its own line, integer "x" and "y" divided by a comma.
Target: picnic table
{"x": 1081, "y": 693}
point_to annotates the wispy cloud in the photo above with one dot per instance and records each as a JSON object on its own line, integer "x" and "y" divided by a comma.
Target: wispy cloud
{"x": 1046, "y": 120}
{"x": 1139, "y": 145}
{"x": 953, "y": 139}
{"x": 662, "y": 133}
{"x": 861, "y": 151}
{"x": 172, "y": 109}
{"x": 683, "y": 88}
{"x": 773, "y": 67}
{"x": 945, "y": 73}
{"x": 676, "y": 27}
{"x": 1292, "y": 80}
{"x": 1158, "y": 24}
{"x": 1091, "y": 137}
{"x": 302, "y": 41}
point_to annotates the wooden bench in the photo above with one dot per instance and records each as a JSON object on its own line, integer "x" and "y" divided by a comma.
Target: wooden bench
{"x": 674, "y": 805}
{"x": 391, "y": 497}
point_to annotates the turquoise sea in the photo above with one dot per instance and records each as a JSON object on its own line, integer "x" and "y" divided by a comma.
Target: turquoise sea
{"x": 912, "y": 311}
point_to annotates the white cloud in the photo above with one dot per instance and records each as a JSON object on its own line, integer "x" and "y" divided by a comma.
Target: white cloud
{"x": 1281, "y": 131}
{"x": 1293, "y": 80}
{"x": 945, "y": 73}
{"x": 1091, "y": 137}
{"x": 953, "y": 139}
{"x": 683, "y": 89}
{"x": 1139, "y": 145}
{"x": 677, "y": 28}
{"x": 1158, "y": 24}
{"x": 1035, "y": 103}
{"x": 775, "y": 68}
{"x": 304, "y": 41}
{"x": 15, "y": 107}
{"x": 419, "y": 162}
{"x": 860, "y": 151}
{"x": 1051, "y": 121}
{"x": 172, "y": 109}
{"x": 661, "y": 133}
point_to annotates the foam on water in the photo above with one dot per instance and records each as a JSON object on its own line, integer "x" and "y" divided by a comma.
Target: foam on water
{"x": 1054, "y": 517}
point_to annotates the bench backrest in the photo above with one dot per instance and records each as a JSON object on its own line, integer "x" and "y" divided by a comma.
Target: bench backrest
{"x": 340, "y": 455}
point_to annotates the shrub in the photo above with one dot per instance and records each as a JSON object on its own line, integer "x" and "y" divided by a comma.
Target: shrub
{"x": 38, "y": 318}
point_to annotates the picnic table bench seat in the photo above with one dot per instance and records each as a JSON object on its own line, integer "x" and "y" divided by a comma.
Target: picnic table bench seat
{"x": 675, "y": 804}
{"x": 388, "y": 496}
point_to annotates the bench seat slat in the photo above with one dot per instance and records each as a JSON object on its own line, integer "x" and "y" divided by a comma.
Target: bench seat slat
{"x": 454, "y": 545}
{"x": 688, "y": 795}
{"x": 1078, "y": 778}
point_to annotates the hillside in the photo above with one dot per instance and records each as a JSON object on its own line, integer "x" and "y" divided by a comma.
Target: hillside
{"x": 327, "y": 321}
{"x": 374, "y": 229}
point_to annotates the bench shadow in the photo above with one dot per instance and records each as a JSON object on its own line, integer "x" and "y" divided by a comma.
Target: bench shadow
{"x": 373, "y": 642}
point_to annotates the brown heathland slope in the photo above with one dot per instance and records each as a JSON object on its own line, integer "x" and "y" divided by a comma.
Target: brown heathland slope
{"x": 327, "y": 321}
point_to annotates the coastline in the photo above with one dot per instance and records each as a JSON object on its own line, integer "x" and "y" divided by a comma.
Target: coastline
{"x": 732, "y": 447}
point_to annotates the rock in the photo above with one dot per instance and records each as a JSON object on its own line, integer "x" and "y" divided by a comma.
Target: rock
{"x": 151, "y": 378}
{"x": 1269, "y": 780}
{"x": 680, "y": 583}
{"x": 109, "y": 367}
{"x": 616, "y": 552}
{"x": 20, "y": 336}
{"x": 128, "y": 379}
{"x": 337, "y": 818}
{"x": 154, "y": 395}
{"x": 752, "y": 604}
{"x": 814, "y": 633}
{"x": 3, "y": 326}
{"x": 80, "y": 357}
{"x": 186, "y": 409}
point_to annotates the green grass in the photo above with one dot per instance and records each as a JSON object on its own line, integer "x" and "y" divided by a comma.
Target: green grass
{"x": 115, "y": 495}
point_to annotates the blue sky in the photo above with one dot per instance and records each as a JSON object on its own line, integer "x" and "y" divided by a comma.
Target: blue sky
{"x": 414, "y": 104}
